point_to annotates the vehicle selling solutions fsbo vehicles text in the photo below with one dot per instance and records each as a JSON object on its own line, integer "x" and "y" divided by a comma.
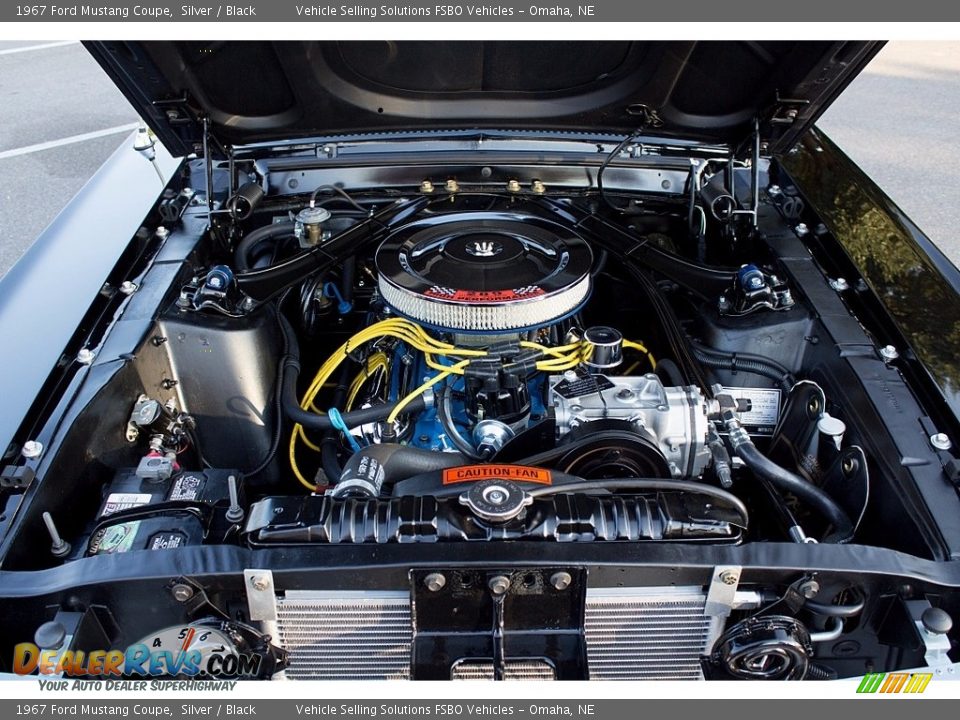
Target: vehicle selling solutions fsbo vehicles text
{"x": 372, "y": 12}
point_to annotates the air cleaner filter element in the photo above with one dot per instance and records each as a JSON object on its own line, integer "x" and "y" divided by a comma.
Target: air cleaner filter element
{"x": 484, "y": 272}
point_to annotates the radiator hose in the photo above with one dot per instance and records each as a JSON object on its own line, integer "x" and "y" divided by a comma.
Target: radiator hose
{"x": 242, "y": 256}
{"x": 780, "y": 477}
{"x": 367, "y": 471}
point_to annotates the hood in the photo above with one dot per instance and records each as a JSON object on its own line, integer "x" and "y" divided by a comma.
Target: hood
{"x": 255, "y": 92}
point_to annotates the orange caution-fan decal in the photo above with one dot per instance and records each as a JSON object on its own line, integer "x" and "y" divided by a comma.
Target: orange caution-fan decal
{"x": 516, "y": 473}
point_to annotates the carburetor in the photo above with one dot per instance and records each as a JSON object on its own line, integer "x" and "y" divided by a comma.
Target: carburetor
{"x": 675, "y": 419}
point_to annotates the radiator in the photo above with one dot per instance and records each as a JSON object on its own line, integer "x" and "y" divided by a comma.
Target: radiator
{"x": 648, "y": 633}
{"x": 631, "y": 634}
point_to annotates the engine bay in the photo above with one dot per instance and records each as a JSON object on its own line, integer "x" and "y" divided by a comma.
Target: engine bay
{"x": 491, "y": 366}
{"x": 447, "y": 364}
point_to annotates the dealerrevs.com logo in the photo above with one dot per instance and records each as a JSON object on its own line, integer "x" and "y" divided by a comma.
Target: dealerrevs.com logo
{"x": 179, "y": 651}
{"x": 902, "y": 683}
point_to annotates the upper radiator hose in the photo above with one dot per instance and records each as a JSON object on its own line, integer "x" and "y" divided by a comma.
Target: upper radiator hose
{"x": 367, "y": 471}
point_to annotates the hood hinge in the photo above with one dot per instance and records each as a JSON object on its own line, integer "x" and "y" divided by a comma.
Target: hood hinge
{"x": 785, "y": 110}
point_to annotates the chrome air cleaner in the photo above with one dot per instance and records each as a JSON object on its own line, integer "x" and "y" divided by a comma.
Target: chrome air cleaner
{"x": 484, "y": 271}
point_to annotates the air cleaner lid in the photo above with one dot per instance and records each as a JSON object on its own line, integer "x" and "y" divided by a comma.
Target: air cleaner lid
{"x": 484, "y": 271}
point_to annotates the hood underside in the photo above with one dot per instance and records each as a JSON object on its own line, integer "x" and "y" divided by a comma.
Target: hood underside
{"x": 253, "y": 92}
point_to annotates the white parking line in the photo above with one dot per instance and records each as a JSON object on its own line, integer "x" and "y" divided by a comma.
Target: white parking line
{"x": 50, "y": 144}
{"x": 43, "y": 46}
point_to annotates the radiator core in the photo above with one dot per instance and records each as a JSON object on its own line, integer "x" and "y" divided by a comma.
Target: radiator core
{"x": 631, "y": 634}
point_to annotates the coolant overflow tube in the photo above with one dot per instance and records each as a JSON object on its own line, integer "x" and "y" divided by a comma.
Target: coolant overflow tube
{"x": 498, "y": 624}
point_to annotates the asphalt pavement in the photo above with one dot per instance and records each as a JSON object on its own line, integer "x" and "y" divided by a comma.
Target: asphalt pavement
{"x": 61, "y": 118}
{"x": 54, "y": 95}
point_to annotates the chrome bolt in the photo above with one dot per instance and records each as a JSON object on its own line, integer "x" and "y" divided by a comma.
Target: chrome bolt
{"x": 260, "y": 582}
{"x": 889, "y": 353}
{"x": 435, "y": 582}
{"x": 561, "y": 580}
{"x": 840, "y": 284}
{"x": 941, "y": 441}
{"x": 809, "y": 588}
{"x": 31, "y": 449}
{"x": 128, "y": 288}
{"x": 513, "y": 186}
{"x": 452, "y": 186}
{"x": 181, "y": 592}
{"x": 162, "y": 232}
{"x": 85, "y": 356}
{"x": 426, "y": 186}
{"x": 728, "y": 577}
{"x": 538, "y": 187}
{"x": 774, "y": 190}
{"x": 499, "y": 584}
{"x": 801, "y": 229}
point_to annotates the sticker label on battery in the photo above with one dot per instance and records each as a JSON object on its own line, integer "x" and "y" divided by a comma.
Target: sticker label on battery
{"x": 764, "y": 407}
{"x": 516, "y": 473}
{"x": 187, "y": 487}
{"x": 124, "y": 501}
{"x": 114, "y": 539}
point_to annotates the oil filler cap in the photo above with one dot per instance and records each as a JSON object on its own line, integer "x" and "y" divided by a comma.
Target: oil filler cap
{"x": 496, "y": 500}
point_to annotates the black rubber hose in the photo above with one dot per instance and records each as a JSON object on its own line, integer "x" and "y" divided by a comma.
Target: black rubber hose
{"x": 446, "y": 422}
{"x": 807, "y": 492}
{"x": 241, "y": 256}
{"x": 739, "y": 364}
{"x": 398, "y": 462}
{"x": 759, "y": 359}
{"x": 668, "y": 370}
{"x": 291, "y": 406}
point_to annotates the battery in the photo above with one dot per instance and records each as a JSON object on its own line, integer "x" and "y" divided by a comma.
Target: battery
{"x": 170, "y": 530}
{"x": 171, "y": 527}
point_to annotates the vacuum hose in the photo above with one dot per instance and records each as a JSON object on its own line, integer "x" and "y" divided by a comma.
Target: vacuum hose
{"x": 743, "y": 362}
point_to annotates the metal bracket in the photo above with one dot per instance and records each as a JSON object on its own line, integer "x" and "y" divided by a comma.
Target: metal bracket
{"x": 935, "y": 646}
{"x": 195, "y": 600}
{"x": 498, "y": 617}
{"x": 261, "y": 595}
{"x": 722, "y": 593}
